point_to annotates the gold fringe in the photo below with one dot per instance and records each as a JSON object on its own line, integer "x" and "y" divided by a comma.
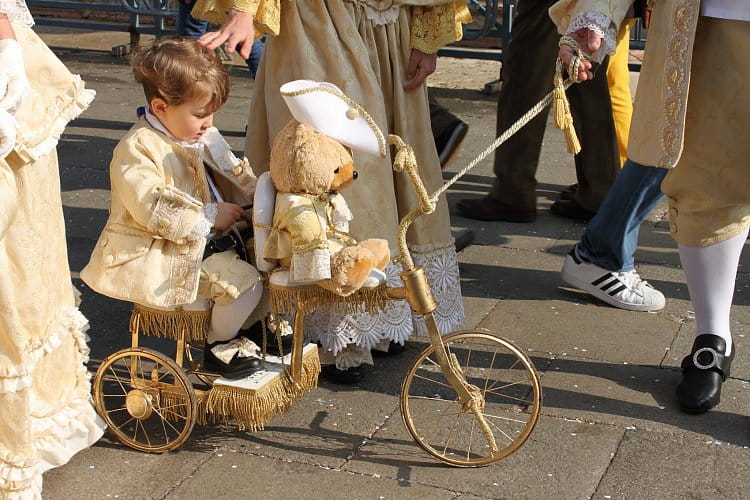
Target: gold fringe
{"x": 169, "y": 323}
{"x": 284, "y": 300}
{"x": 252, "y": 410}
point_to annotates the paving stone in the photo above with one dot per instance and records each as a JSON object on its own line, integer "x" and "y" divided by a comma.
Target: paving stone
{"x": 230, "y": 475}
{"x": 324, "y": 428}
{"x": 111, "y": 470}
{"x": 639, "y": 396}
{"x": 651, "y": 465}
{"x": 561, "y": 459}
{"x": 591, "y": 331}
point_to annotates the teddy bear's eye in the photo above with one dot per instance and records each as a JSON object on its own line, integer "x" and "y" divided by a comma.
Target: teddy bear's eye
{"x": 337, "y": 170}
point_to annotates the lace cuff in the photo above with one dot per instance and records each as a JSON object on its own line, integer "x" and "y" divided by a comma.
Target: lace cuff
{"x": 266, "y": 13}
{"x": 206, "y": 220}
{"x": 17, "y": 12}
{"x": 599, "y": 24}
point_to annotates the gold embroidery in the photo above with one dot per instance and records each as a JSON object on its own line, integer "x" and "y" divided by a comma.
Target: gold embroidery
{"x": 683, "y": 18}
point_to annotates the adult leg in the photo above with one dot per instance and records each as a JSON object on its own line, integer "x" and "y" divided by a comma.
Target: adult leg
{"x": 618, "y": 78}
{"x": 601, "y": 264}
{"x": 513, "y": 194}
{"x": 709, "y": 200}
{"x": 448, "y": 130}
{"x": 187, "y": 25}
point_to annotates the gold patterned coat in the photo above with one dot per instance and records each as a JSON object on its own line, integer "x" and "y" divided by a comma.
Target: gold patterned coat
{"x": 661, "y": 101}
{"x": 149, "y": 251}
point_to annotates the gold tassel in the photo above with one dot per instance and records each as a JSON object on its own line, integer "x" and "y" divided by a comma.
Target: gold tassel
{"x": 562, "y": 117}
{"x": 169, "y": 323}
{"x": 252, "y": 410}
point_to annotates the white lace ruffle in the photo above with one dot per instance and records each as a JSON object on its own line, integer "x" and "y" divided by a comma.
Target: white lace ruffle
{"x": 313, "y": 265}
{"x": 397, "y": 323}
{"x": 377, "y": 14}
{"x": 206, "y": 220}
{"x": 17, "y": 12}
{"x": 58, "y": 433}
{"x": 602, "y": 26}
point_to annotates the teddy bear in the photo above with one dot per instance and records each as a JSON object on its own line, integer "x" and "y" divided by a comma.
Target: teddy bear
{"x": 311, "y": 217}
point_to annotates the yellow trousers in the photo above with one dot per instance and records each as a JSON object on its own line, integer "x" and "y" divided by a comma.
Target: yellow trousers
{"x": 618, "y": 77}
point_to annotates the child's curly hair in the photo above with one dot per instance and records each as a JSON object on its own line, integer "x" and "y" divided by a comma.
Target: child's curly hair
{"x": 179, "y": 69}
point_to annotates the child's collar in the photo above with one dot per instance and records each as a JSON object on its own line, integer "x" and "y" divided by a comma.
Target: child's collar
{"x": 157, "y": 124}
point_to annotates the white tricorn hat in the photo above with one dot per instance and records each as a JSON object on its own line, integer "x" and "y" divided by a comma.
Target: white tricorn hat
{"x": 324, "y": 107}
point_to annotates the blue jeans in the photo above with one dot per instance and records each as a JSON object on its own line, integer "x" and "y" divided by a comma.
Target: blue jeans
{"x": 187, "y": 25}
{"x": 611, "y": 237}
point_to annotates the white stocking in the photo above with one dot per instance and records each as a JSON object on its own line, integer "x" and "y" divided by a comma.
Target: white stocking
{"x": 710, "y": 272}
{"x": 226, "y": 320}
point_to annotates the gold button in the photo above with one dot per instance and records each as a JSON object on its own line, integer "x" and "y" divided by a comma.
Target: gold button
{"x": 164, "y": 221}
{"x": 238, "y": 170}
{"x": 179, "y": 282}
{"x": 183, "y": 249}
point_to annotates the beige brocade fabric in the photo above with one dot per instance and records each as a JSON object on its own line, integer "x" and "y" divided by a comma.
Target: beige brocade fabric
{"x": 45, "y": 408}
{"x": 335, "y": 41}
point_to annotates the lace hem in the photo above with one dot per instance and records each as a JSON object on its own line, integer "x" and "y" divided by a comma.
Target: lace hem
{"x": 17, "y": 12}
{"x": 602, "y": 26}
{"x": 66, "y": 432}
{"x": 397, "y": 323}
{"x": 206, "y": 220}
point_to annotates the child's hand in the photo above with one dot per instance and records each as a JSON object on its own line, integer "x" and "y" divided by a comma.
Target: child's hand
{"x": 226, "y": 215}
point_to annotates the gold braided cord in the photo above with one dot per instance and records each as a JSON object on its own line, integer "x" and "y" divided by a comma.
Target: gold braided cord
{"x": 515, "y": 127}
{"x": 352, "y": 104}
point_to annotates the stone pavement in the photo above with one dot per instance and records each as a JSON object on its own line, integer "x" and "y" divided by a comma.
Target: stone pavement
{"x": 610, "y": 427}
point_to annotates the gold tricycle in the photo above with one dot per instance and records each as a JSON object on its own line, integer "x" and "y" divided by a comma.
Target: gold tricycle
{"x": 469, "y": 399}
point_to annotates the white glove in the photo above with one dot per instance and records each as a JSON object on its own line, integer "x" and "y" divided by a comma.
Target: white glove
{"x": 13, "y": 82}
{"x": 7, "y": 133}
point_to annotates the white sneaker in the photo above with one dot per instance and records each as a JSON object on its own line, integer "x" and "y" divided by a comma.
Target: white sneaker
{"x": 623, "y": 290}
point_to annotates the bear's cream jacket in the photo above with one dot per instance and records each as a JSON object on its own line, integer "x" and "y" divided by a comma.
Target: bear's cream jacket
{"x": 150, "y": 250}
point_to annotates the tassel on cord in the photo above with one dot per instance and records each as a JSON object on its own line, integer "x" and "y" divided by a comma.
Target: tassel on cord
{"x": 563, "y": 119}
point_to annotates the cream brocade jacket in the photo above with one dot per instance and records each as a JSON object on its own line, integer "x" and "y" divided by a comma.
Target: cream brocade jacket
{"x": 434, "y": 23}
{"x": 661, "y": 101}
{"x": 149, "y": 251}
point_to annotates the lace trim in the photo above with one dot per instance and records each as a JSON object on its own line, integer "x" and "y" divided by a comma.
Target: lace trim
{"x": 171, "y": 207}
{"x": 206, "y": 220}
{"x": 602, "y": 26}
{"x": 377, "y": 14}
{"x": 397, "y": 323}
{"x": 311, "y": 266}
{"x": 439, "y": 25}
{"x": 17, "y": 12}
{"x": 66, "y": 108}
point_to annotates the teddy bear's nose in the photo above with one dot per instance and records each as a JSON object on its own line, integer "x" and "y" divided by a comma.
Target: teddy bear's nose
{"x": 355, "y": 174}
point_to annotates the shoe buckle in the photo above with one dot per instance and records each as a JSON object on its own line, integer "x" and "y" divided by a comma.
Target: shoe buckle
{"x": 714, "y": 358}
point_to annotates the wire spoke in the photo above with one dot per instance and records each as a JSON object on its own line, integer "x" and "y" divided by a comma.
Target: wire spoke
{"x": 501, "y": 431}
{"x": 505, "y": 418}
{"x": 511, "y": 397}
{"x": 145, "y": 433}
{"x": 433, "y": 381}
{"x": 512, "y": 366}
{"x": 167, "y": 421}
{"x": 452, "y": 430}
{"x": 117, "y": 379}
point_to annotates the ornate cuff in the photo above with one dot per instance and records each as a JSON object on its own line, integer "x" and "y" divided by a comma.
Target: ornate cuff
{"x": 599, "y": 24}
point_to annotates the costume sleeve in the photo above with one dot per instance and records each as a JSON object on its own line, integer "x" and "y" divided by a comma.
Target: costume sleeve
{"x": 266, "y": 13}
{"x": 161, "y": 208}
{"x": 437, "y": 26}
{"x": 8, "y": 197}
{"x": 601, "y": 16}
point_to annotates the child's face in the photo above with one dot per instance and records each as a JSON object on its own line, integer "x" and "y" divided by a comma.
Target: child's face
{"x": 187, "y": 121}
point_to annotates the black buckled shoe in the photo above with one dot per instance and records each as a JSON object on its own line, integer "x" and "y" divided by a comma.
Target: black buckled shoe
{"x": 240, "y": 365}
{"x": 703, "y": 372}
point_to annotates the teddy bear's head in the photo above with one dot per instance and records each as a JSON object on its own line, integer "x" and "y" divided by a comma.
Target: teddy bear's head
{"x": 306, "y": 161}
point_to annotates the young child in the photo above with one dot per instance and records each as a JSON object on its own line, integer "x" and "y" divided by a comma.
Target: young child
{"x": 177, "y": 192}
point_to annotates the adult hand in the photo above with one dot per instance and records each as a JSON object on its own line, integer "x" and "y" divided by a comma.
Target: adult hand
{"x": 237, "y": 31}
{"x": 421, "y": 65}
{"x": 7, "y": 133}
{"x": 589, "y": 41}
{"x": 13, "y": 82}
